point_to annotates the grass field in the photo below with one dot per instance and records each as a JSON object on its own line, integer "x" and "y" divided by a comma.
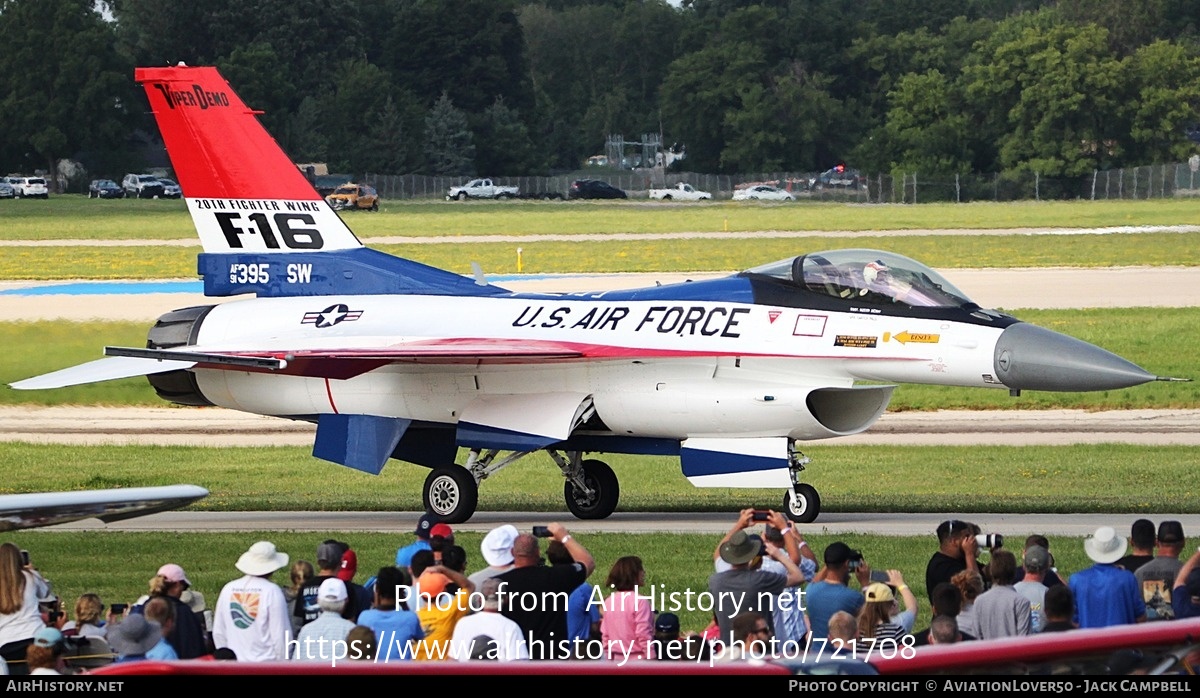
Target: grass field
{"x": 74, "y": 217}
{"x": 1013, "y": 478}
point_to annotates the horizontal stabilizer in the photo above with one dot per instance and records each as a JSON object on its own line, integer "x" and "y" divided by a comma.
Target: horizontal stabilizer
{"x": 198, "y": 357}
{"x": 101, "y": 370}
{"x": 732, "y": 462}
{"x": 360, "y": 441}
{"x": 38, "y": 509}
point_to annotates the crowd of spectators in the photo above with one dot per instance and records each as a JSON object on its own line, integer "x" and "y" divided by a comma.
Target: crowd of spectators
{"x": 770, "y": 598}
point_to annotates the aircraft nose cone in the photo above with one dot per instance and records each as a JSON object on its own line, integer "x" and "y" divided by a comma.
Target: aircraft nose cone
{"x": 1029, "y": 357}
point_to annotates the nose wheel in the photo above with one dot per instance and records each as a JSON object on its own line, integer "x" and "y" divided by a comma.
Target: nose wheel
{"x": 801, "y": 504}
{"x": 450, "y": 493}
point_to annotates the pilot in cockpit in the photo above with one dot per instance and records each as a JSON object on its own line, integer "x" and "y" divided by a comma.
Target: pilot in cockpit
{"x": 877, "y": 278}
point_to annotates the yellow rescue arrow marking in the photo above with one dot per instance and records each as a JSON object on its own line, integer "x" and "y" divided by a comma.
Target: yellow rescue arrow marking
{"x": 917, "y": 337}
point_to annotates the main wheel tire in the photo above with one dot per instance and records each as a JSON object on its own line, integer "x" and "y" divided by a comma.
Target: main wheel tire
{"x": 450, "y": 493}
{"x": 601, "y": 479}
{"x": 802, "y": 504}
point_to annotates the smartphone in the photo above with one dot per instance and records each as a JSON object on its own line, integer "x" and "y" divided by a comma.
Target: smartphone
{"x": 879, "y": 576}
{"x": 760, "y": 515}
{"x": 542, "y": 531}
{"x": 25, "y": 557}
{"x": 118, "y": 609}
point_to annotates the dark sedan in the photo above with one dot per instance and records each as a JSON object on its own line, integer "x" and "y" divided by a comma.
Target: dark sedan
{"x": 105, "y": 189}
{"x": 594, "y": 189}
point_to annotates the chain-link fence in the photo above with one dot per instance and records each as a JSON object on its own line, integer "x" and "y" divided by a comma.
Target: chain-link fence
{"x": 1146, "y": 182}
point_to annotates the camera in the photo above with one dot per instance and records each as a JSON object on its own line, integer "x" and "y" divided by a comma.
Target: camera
{"x": 118, "y": 608}
{"x": 989, "y": 540}
{"x": 542, "y": 532}
{"x": 856, "y": 559}
{"x": 54, "y": 616}
{"x": 760, "y": 515}
{"x": 879, "y": 576}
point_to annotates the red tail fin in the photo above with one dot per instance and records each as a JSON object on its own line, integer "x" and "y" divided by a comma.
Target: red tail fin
{"x": 218, "y": 147}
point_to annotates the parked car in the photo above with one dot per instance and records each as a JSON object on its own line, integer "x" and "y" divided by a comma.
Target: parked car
{"x": 13, "y": 181}
{"x": 105, "y": 189}
{"x": 171, "y": 188}
{"x": 683, "y": 190}
{"x": 33, "y": 188}
{"x": 763, "y": 192}
{"x": 481, "y": 189}
{"x": 839, "y": 178}
{"x": 353, "y": 196}
{"x": 7, "y": 191}
{"x": 594, "y": 189}
{"x": 142, "y": 186}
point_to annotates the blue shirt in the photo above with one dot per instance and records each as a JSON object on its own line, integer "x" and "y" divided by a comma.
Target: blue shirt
{"x": 823, "y": 599}
{"x": 396, "y": 633}
{"x": 1106, "y": 595}
{"x": 163, "y": 650}
{"x": 581, "y": 615}
{"x": 404, "y": 555}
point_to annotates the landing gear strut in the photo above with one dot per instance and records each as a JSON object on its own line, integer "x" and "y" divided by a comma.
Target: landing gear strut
{"x": 801, "y": 504}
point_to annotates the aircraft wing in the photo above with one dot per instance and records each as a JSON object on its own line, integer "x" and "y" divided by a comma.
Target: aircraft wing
{"x": 38, "y": 509}
{"x": 334, "y": 363}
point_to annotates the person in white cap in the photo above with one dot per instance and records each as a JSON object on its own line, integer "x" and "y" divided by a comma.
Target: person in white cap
{"x": 251, "y": 615}
{"x": 497, "y": 552}
{"x": 324, "y": 639}
{"x": 1105, "y": 593}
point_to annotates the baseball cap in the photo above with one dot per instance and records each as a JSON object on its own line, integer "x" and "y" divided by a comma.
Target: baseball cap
{"x": 666, "y": 623}
{"x": 349, "y": 566}
{"x": 329, "y": 554}
{"x": 425, "y": 523}
{"x": 1170, "y": 532}
{"x": 432, "y": 583}
{"x": 332, "y": 589}
{"x": 497, "y": 545}
{"x": 173, "y": 573}
{"x": 441, "y": 529}
{"x": 47, "y": 637}
{"x": 878, "y": 591}
{"x": 1036, "y": 558}
{"x": 838, "y": 552}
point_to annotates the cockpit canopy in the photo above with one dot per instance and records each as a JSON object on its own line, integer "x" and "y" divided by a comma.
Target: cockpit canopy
{"x": 867, "y": 276}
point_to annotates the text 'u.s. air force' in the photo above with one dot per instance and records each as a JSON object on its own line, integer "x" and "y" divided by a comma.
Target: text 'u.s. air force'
{"x": 680, "y": 320}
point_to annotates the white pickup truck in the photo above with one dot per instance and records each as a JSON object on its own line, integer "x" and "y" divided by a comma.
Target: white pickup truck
{"x": 682, "y": 191}
{"x": 481, "y": 189}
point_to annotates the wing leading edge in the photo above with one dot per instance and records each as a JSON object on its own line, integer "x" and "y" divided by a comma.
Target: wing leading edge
{"x": 37, "y": 509}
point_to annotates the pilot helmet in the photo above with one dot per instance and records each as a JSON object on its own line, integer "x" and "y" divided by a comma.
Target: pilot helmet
{"x": 875, "y": 272}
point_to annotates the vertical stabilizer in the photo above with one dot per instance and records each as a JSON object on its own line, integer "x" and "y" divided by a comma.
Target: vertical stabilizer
{"x": 244, "y": 193}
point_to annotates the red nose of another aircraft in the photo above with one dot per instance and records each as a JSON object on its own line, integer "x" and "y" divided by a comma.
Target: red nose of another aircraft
{"x": 1029, "y": 357}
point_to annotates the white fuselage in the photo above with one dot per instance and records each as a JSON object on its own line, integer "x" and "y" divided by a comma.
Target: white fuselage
{"x": 652, "y": 368}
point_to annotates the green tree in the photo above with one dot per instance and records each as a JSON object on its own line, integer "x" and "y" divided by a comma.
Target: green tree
{"x": 1166, "y": 77}
{"x": 503, "y": 144}
{"x": 449, "y": 149}
{"x": 1050, "y": 94}
{"x": 64, "y": 91}
{"x": 927, "y": 128}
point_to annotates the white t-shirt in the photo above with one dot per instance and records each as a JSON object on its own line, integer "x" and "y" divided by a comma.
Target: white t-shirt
{"x": 510, "y": 643}
{"x": 251, "y": 618}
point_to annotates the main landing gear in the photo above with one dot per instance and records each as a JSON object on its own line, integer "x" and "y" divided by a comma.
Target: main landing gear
{"x": 801, "y": 504}
{"x": 451, "y": 492}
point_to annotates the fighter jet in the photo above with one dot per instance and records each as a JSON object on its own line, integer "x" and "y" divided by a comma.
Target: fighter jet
{"x": 393, "y": 359}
